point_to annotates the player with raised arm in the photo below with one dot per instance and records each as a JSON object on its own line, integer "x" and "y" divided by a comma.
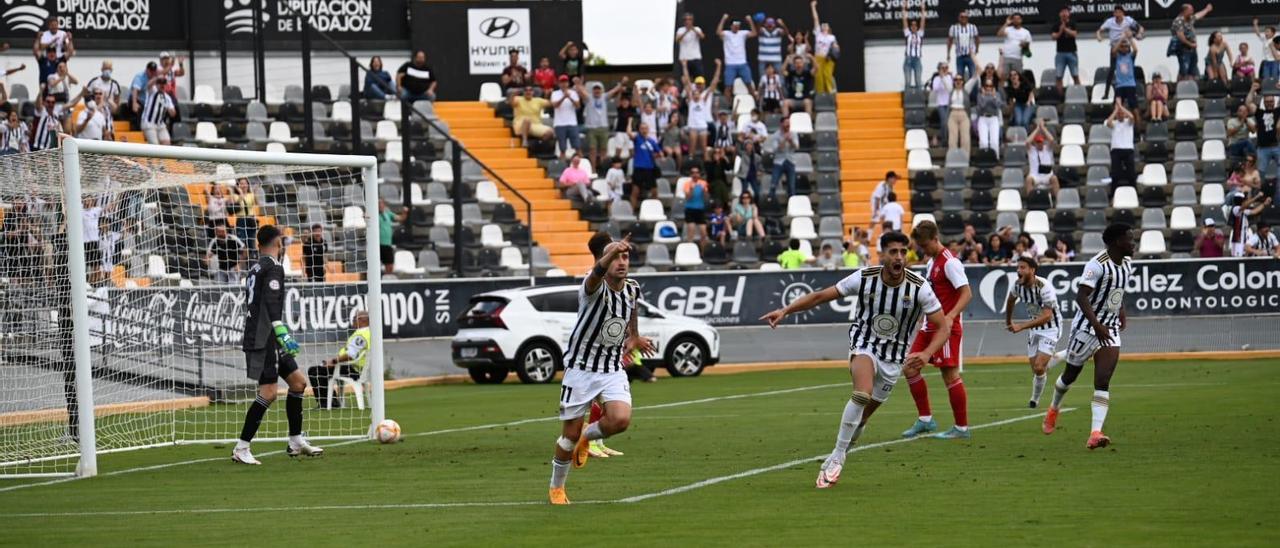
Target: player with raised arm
{"x": 1043, "y": 327}
{"x": 1095, "y": 331}
{"x": 270, "y": 349}
{"x": 606, "y": 331}
{"x": 891, "y": 301}
{"x": 948, "y": 281}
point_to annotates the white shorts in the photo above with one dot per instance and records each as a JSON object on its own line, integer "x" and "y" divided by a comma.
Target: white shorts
{"x": 1084, "y": 342}
{"x": 886, "y": 374}
{"x": 1042, "y": 343}
{"x": 579, "y": 388}
{"x": 1237, "y": 249}
{"x": 156, "y": 135}
{"x": 1041, "y": 179}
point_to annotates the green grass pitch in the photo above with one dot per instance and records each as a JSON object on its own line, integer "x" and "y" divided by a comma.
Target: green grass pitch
{"x": 717, "y": 460}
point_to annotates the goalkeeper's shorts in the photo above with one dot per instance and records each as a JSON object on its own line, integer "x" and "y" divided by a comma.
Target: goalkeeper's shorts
{"x": 267, "y": 366}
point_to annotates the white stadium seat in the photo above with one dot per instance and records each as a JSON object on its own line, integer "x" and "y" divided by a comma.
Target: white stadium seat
{"x": 1153, "y": 175}
{"x": 1152, "y": 243}
{"x": 353, "y": 217}
{"x": 443, "y": 215}
{"x": 917, "y": 139}
{"x": 404, "y": 263}
{"x": 801, "y": 123}
{"x": 922, "y": 217}
{"x": 442, "y": 171}
{"x": 1126, "y": 197}
{"x": 1183, "y": 218}
{"x": 1009, "y": 200}
{"x": 651, "y": 211}
{"x": 919, "y": 160}
{"x": 491, "y": 92}
{"x": 1213, "y": 151}
{"x": 802, "y": 228}
{"x": 207, "y": 133}
{"x": 799, "y": 206}
{"x": 1072, "y": 156}
{"x": 1212, "y": 194}
{"x": 687, "y": 254}
{"x": 487, "y": 193}
{"x": 1036, "y": 222}
{"x": 491, "y": 236}
{"x": 512, "y": 259}
{"x": 1188, "y": 111}
{"x": 1072, "y": 134}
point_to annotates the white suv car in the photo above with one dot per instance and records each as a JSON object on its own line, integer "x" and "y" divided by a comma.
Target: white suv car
{"x": 526, "y": 330}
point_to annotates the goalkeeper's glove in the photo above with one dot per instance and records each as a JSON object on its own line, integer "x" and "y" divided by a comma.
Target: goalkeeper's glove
{"x": 286, "y": 341}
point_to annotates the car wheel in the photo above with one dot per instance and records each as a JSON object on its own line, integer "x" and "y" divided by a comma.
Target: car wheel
{"x": 488, "y": 375}
{"x": 537, "y": 363}
{"x": 686, "y": 356}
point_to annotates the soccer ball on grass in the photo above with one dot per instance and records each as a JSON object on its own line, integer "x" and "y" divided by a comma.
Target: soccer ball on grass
{"x": 388, "y": 431}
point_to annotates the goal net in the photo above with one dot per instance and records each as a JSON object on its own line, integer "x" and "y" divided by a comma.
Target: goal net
{"x": 135, "y": 341}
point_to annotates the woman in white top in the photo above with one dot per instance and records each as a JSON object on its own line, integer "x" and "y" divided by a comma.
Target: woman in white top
{"x": 701, "y": 97}
{"x": 57, "y": 84}
{"x": 825, "y": 51}
{"x": 940, "y": 87}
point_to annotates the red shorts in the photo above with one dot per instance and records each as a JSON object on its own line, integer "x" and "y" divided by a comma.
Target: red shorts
{"x": 949, "y": 356}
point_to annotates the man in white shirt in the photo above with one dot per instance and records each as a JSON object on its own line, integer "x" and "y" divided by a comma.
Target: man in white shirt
{"x": 735, "y": 54}
{"x": 689, "y": 37}
{"x": 54, "y": 38}
{"x": 1016, "y": 39}
{"x": 755, "y": 130}
{"x": 892, "y": 212}
{"x": 1040, "y": 159}
{"x": 565, "y": 103}
{"x": 107, "y": 85}
{"x": 1122, "y": 155}
{"x": 94, "y": 121}
{"x": 880, "y": 196}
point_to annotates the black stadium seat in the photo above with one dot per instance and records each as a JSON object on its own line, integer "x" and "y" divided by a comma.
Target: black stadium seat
{"x": 981, "y": 201}
{"x": 1182, "y": 241}
{"x": 922, "y": 202}
{"x": 1064, "y": 221}
{"x": 952, "y": 223}
{"x": 982, "y": 179}
{"x": 925, "y": 181}
{"x": 1039, "y": 200}
{"x": 1153, "y": 196}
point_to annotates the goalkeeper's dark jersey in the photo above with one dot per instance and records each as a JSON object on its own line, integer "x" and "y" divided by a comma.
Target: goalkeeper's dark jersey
{"x": 263, "y": 303}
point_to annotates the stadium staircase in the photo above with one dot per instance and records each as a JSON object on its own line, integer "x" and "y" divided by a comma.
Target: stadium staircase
{"x": 871, "y": 144}
{"x": 558, "y": 228}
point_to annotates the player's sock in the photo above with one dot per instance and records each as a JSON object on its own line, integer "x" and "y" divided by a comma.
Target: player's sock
{"x": 594, "y": 432}
{"x": 1063, "y": 383}
{"x": 559, "y": 472}
{"x": 850, "y": 424}
{"x": 959, "y": 403}
{"x": 920, "y": 393}
{"x": 1037, "y": 386}
{"x": 293, "y": 410}
{"x": 596, "y": 413}
{"x": 1101, "y": 401}
{"x": 253, "y": 418}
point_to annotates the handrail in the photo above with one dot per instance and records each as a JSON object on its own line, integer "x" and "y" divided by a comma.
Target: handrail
{"x": 457, "y": 146}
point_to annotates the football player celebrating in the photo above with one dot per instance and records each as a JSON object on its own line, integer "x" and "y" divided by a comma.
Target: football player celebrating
{"x": 1044, "y": 326}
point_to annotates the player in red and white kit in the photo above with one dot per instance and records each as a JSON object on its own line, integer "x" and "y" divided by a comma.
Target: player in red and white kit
{"x": 946, "y": 275}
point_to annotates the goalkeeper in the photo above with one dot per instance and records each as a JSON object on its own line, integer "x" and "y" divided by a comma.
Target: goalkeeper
{"x": 349, "y": 362}
{"x": 270, "y": 350}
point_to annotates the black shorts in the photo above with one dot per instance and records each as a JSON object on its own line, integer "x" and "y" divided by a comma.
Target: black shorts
{"x": 645, "y": 178}
{"x": 695, "y": 216}
{"x": 388, "y": 254}
{"x": 771, "y": 105}
{"x": 266, "y": 366}
{"x": 1129, "y": 95}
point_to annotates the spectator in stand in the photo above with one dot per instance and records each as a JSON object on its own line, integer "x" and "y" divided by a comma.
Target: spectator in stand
{"x": 16, "y": 135}
{"x": 1157, "y": 99}
{"x": 696, "y": 193}
{"x": 416, "y": 80}
{"x": 1238, "y": 129}
{"x": 990, "y": 110}
{"x": 1242, "y": 208}
{"x": 689, "y": 37}
{"x": 565, "y": 103}
{"x": 172, "y": 73}
{"x": 138, "y": 88}
{"x": 891, "y": 213}
{"x": 749, "y": 167}
{"x": 849, "y": 258}
{"x": 387, "y": 221}
{"x": 826, "y": 49}
{"x": 56, "y": 39}
{"x": 1184, "y": 42}
{"x": 1250, "y": 176}
{"x": 575, "y": 179}
{"x": 1022, "y": 96}
{"x": 1265, "y": 119}
{"x": 595, "y": 116}
{"x": 1016, "y": 41}
{"x": 49, "y": 116}
{"x": 735, "y": 54}
{"x": 573, "y": 60}
{"x": 746, "y": 217}
{"x": 771, "y": 91}
{"x": 1064, "y": 248}
{"x": 880, "y": 195}
{"x": 1218, "y": 58}
{"x": 1270, "y": 66}
{"x": 1262, "y": 243}
{"x": 46, "y": 65}
{"x": 1118, "y": 27}
{"x": 940, "y": 88}
{"x": 755, "y": 130}
{"x": 1210, "y": 243}
{"x": 1040, "y": 147}
{"x": 544, "y": 76}
{"x": 718, "y": 224}
{"x": 225, "y": 255}
{"x": 59, "y": 83}
{"x": 793, "y": 258}
{"x": 913, "y": 31}
{"x": 958, "y": 126}
{"x": 527, "y": 116}
{"x": 110, "y": 88}
{"x": 673, "y": 144}
{"x": 666, "y": 102}
{"x": 964, "y": 36}
{"x": 800, "y": 88}
{"x": 644, "y": 169}
{"x": 701, "y": 98}
{"x": 827, "y": 259}
{"x": 995, "y": 254}
{"x": 616, "y": 179}
{"x": 244, "y": 206}
{"x": 723, "y": 136}
{"x": 720, "y": 175}
{"x": 1066, "y": 56}
{"x": 1244, "y": 66}
{"x": 377, "y": 81}
{"x": 157, "y": 110}
{"x": 626, "y": 115}
{"x": 216, "y": 205}
{"x": 1122, "y": 156}
{"x": 969, "y": 241}
{"x": 769, "y": 44}
{"x": 514, "y": 75}
{"x": 1125, "y": 78}
{"x": 95, "y": 122}
{"x": 785, "y": 143}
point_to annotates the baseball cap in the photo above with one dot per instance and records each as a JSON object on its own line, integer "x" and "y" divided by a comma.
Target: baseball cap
{"x": 699, "y": 80}
{"x": 1209, "y": 222}
{"x": 564, "y": 77}
{"x": 165, "y": 55}
{"x": 1038, "y": 139}
{"x": 151, "y": 65}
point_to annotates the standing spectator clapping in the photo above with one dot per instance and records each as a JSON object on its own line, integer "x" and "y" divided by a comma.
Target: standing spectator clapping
{"x": 1022, "y": 95}
{"x": 1126, "y": 72}
{"x": 689, "y": 37}
{"x": 785, "y": 144}
{"x": 514, "y": 75}
{"x": 1121, "y": 122}
{"x": 1017, "y": 40}
{"x": 564, "y": 103}
{"x": 1066, "y": 57}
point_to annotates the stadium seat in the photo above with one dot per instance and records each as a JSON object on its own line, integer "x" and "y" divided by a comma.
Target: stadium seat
{"x": 1064, "y": 221}
{"x": 280, "y": 133}
{"x": 802, "y": 228}
{"x": 391, "y": 111}
{"x": 1099, "y": 155}
{"x": 1188, "y": 89}
{"x": 1096, "y": 198}
{"x": 1040, "y": 240}
{"x": 1212, "y": 195}
{"x": 404, "y": 264}
{"x": 386, "y": 130}
{"x": 832, "y": 227}
{"x": 1185, "y": 152}
{"x": 207, "y": 133}
{"x": 1184, "y": 173}
{"x": 651, "y": 211}
{"x": 1213, "y": 151}
{"x": 1184, "y": 195}
{"x": 1047, "y": 113}
{"x": 801, "y": 123}
{"x": 1153, "y": 175}
{"x": 1015, "y": 155}
{"x": 276, "y": 147}
{"x": 744, "y": 253}
{"x": 1009, "y": 219}
{"x": 1092, "y": 244}
{"x": 687, "y": 254}
{"x": 919, "y": 160}
{"x": 1072, "y": 135}
{"x": 1072, "y": 155}
{"x": 956, "y": 157}
{"x": 1100, "y": 94}
{"x": 1012, "y": 178}
{"x": 205, "y": 95}
{"x": 512, "y": 259}
{"x": 1152, "y": 243}
{"x": 1182, "y": 242}
{"x": 981, "y": 201}
{"x": 917, "y": 219}
{"x": 1126, "y": 197}
{"x": 443, "y": 215}
{"x": 1094, "y": 220}
{"x": 491, "y": 92}
{"x": 158, "y": 270}
{"x": 1036, "y": 222}
{"x": 1214, "y": 129}
{"x": 1009, "y": 200}
{"x": 826, "y": 122}
{"x": 952, "y": 223}
{"x": 1100, "y": 134}
{"x": 922, "y": 202}
{"x": 1184, "y": 218}
{"x": 491, "y": 236}
{"x": 1068, "y": 198}
{"x": 770, "y": 267}
{"x": 1015, "y": 134}
{"x": 340, "y": 112}
{"x": 441, "y": 171}
{"x": 917, "y": 139}
{"x": 487, "y": 193}
{"x": 1187, "y": 110}
{"x": 1039, "y": 200}
{"x": 1076, "y": 95}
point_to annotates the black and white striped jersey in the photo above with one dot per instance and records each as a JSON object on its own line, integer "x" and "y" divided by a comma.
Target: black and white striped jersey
{"x": 596, "y": 344}
{"x": 888, "y": 316}
{"x": 1036, "y": 297}
{"x": 155, "y": 111}
{"x": 48, "y": 124}
{"x": 1108, "y": 281}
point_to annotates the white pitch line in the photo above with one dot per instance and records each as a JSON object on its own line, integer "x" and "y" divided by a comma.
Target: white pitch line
{"x": 436, "y": 505}
{"x": 797, "y": 462}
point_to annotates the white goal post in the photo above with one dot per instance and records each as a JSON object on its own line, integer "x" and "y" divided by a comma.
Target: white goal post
{"x": 153, "y": 259}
